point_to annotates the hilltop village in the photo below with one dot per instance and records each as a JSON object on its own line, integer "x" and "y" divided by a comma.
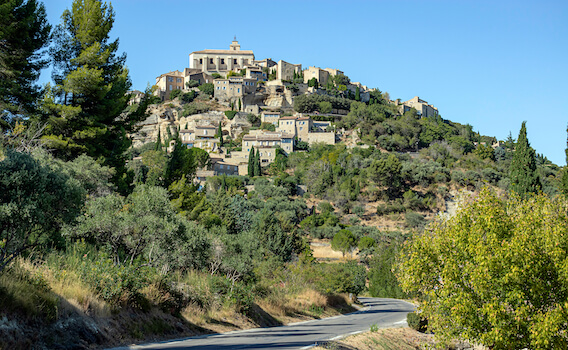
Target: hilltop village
{"x": 249, "y": 104}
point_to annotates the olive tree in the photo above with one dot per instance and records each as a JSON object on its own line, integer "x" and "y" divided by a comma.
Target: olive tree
{"x": 35, "y": 201}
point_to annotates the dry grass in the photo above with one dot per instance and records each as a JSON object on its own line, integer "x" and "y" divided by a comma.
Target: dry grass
{"x": 384, "y": 339}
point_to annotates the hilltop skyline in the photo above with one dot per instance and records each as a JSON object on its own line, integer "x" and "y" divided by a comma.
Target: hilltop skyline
{"x": 489, "y": 65}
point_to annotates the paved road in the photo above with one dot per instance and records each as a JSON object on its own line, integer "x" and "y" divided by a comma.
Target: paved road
{"x": 384, "y": 313}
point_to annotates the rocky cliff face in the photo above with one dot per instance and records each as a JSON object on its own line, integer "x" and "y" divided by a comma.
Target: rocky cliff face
{"x": 166, "y": 118}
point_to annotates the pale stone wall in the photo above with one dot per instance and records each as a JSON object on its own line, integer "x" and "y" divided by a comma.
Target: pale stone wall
{"x": 423, "y": 108}
{"x": 233, "y": 88}
{"x": 321, "y": 137}
{"x": 285, "y": 70}
{"x": 315, "y": 72}
{"x": 169, "y": 82}
{"x": 270, "y": 117}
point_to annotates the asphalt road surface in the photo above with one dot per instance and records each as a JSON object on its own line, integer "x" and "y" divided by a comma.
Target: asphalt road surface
{"x": 384, "y": 313}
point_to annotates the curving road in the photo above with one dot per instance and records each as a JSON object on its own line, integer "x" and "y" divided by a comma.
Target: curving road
{"x": 383, "y": 312}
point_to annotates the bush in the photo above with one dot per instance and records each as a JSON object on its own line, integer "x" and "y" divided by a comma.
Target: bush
{"x": 414, "y": 220}
{"x": 207, "y": 88}
{"x": 230, "y": 114}
{"x": 386, "y": 209}
{"x": 416, "y": 322}
{"x": 174, "y": 94}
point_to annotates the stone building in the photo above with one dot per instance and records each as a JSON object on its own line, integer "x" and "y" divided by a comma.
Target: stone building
{"x": 270, "y": 117}
{"x": 267, "y": 142}
{"x": 285, "y": 70}
{"x": 307, "y": 130}
{"x": 169, "y": 82}
{"x": 202, "y": 136}
{"x": 216, "y": 61}
{"x": 233, "y": 88}
{"x": 321, "y": 75}
{"x": 422, "y": 107}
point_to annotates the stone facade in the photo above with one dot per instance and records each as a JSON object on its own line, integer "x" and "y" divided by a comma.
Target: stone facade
{"x": 233, "y": 88}
{"x": 169, "y": 82}
{"x": 421, "y": 106}
{"x": 270, "y": 117}
{"x": 285, "y": 70}
{"x": 215, "y": 61}
{"x": 321, "y": 75}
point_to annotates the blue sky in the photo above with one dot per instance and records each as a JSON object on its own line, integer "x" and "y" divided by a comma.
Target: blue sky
{"x": 491, "y": 64}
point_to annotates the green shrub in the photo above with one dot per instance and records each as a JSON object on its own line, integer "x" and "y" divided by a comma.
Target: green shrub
{"x": 416, "y": 322}
{"x": 414, "y": 220}
{"x": 119, "y": 285}
{"x": 174, "y": 94}
{"x": 390, "y": 209}
{"x": 230, "y": 114}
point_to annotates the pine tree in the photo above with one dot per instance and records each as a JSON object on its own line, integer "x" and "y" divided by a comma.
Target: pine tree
{"x": 523, "y": 171}
{"x": 257, "y": 169}
{"x": 24, "y": 31}
{"x": 84, "y": 108}
{"x": 251, "y": 162}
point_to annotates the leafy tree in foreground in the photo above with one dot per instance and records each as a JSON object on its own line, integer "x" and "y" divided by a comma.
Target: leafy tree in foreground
{"x": 494, "y": 274}
{"x": 35, "y": 202}
{"x": 523, "y": 172}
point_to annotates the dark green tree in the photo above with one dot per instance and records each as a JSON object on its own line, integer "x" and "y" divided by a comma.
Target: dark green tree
{"x": 159, "y": 141}
{"x": 251, "y": 162}
{"x": 220, "y": 135}
{"x": 240, "y": 105}
{"x": 24, "y": 31}
{"x": 387, "y": 172}
{"x": 564, "y": 179}
{"x": 357, "y": 94}
{"x": 257, "y": 168}
{"x": 180, "y": 163}
{"x": 85, "y": 106}
{"x": 523, "y": 172}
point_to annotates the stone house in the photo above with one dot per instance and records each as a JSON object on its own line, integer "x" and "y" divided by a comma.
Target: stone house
{"x": 169, "y": 82}
{"x": 201, "y": 137}
{"x": 422, "y": 107}
{"x": 321, "y": 75}
{"x": 285, "y": 70}
{"x": 270, "y": 117}
{"x": 233, "y": 88}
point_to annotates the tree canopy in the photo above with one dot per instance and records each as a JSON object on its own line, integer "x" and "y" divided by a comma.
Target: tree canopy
{"x": 495, "y": 273}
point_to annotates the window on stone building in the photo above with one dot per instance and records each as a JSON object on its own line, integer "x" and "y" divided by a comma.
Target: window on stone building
{"x": 235, "y": 61}
{"x": 211, "y": 60}
{"x": 222, "y": 61}
{"x": 201, "y": 61}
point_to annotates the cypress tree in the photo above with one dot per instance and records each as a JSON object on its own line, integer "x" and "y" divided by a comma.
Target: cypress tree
{"x": 240, "y": 104}
{"x": 357, "y": 94}
{"x": 523, "y": 172}
{"x": 564, "y": 179}
{"x": 159, "y": 141}
{"x": 257, "y": 170}
{"x": 251, "y": 162}
{"x": 220, "y": 135}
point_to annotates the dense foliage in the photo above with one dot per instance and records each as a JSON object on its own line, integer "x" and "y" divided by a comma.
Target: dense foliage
{"x": 494, "y": 274}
